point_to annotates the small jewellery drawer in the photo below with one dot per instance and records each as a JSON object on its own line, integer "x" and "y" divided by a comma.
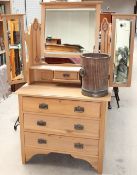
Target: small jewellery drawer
{"x": 64, "y": 107}
{"x": 64, "y": 125}
{"x": 62, "y": 144}
{"x": 65, "y": 75}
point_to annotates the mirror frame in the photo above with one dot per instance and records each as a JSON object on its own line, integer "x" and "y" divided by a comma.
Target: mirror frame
{"x": 67, "y": 5}
{"x": 132, "y": 18}
{"x": 5, "y": 19}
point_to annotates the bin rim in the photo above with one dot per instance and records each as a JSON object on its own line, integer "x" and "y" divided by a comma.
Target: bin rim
{"x": 95, "y": 55}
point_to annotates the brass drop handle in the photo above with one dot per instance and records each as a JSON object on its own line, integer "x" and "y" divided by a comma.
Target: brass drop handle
{"x": 78, "y": 127}
{"x": 79, "y": 109}
{"x": 43, "y": 106}
{"x": 42, "y": 141}
{"x": 78, "y": 145}
{"x": 65, "y": 75}
{"x": 41, "y": 123}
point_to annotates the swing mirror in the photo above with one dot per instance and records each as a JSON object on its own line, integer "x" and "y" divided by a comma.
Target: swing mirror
{"x": 123, "y": 30}
{"x": 69, "y": 29}
{"x": 14, "y": 45}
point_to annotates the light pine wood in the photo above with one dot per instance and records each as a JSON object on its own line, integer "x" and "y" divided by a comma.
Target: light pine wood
{"x": 30, "y": 152}
{"x": 27, "y": 40}
{"x": 104, "y": 107}
{"x": 47, "y": 90}
{"x": 21, "y": 130}
{"x": 56, "y": 67}
{"x": 24, "y": 70}
{"x": 66, "y": 75}
{"x": 62, "y": 54}
{"x": 6, "y": 49}
{"x": 36, "y": 30}
{"x": 13, "y": 26}
{"x": 43, "y": 75}
{"x": 57, "y": 106}
{"x": 54, "y": 73}
{"x": 61, "y": 48}
{"x": 66, "y": 5}
{"x": 43, "y": 18}
{"x": 33, "y": 37}
{"x": 59, "y": 134}
{"x": 92, "y": 160}
{"x": 58, "y": 143}
{"x": 106, "y": 37}
{"x": 98, "y": 11}
{"x": 62, "y": 125}
{"x": 132, "y": 18}
{"x": 10, "y": 62}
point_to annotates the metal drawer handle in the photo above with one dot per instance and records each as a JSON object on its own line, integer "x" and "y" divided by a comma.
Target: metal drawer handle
{"x": 41, "y": 123}
{"x": 79, "y": 109}
{"x": 42, "y": 141}
{"x": 43, "y": 106}
{"x": 78, "y": 127}
{"x": 79, "y": 145}
{"x": 66, "y": 75}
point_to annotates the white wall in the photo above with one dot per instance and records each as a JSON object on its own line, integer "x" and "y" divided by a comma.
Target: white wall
{"x": 18, "y": 6}
{"x": 33, "y": 9}
{"x": 119, "y": 6}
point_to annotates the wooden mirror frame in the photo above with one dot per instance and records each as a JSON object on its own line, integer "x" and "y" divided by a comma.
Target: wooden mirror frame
{"x": 5, "y": 19}
{"x": 132, "y": 18}
{"x": 67, "y": 5}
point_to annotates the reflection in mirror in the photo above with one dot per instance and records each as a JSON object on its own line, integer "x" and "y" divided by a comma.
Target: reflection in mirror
{"x": 15, "y": 48}
{"x": 70, "y": 30}
{"x": 122, "y": 50}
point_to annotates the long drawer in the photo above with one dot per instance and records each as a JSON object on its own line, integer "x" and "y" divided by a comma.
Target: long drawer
{"x": 65, "y": 125}
{"x": 61, "y": 143}
{"x": 57, "y": 106}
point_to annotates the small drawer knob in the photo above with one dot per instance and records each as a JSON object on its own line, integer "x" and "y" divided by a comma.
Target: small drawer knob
{"x": 43, "y": 106}
{"x": 78, "y": 127}
{"x": 42, "y": 141}
{"x": 79, "y": 109}
{"x": 41, "y": 123}
{"x": 79, "y": 145}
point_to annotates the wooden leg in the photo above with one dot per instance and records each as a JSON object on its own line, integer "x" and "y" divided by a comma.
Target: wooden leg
{"x": 100, "y": 170}
{"x": 93, "y": 161}
{"x": 30, "y": 152}
{"x": 23, "y": 158}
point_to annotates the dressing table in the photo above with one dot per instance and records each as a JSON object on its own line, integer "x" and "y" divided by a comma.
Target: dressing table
{"x": 54, "y": 115}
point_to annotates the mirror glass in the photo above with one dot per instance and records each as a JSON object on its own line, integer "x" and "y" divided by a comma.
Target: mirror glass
{"x": 70, "y": 30}
{"x": 15, "y": 48}
{"x": 122, "y": 50}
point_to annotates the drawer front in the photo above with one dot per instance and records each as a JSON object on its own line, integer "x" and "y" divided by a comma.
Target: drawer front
{"x": 65, "y": 107}
{"x": 46, "y": 75}
{"x": 42, "y": 75}
{"x": 61, "y": 143}
{"x": 65, "y": 75}
{"x": 64, "y": 125}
